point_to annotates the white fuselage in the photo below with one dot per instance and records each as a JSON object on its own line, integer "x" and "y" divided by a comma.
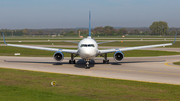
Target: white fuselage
{"x": 87, "y": 48}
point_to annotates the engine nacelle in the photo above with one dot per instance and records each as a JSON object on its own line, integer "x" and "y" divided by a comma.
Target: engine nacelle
{"x": 118, "y": 56}
{"x": 58, "y": 56}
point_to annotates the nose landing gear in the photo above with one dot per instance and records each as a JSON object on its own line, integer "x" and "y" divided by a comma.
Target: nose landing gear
{"x": 87, "y": 65}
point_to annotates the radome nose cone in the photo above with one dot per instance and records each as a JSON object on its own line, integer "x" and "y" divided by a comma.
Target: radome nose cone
{"x": 87, "y": 53}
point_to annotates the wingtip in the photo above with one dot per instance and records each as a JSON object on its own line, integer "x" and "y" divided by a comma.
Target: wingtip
{"x": 4, "y": 38}
{"x": 175, "y": 38}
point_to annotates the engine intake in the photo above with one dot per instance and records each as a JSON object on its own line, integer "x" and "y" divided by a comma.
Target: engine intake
{"x": 118, "y": 56}
{"x": 58, "y": 56}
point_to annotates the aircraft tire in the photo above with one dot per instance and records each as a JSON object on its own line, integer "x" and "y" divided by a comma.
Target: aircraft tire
{"x": 69, "y": 61}
{"x": 103, "y": 61}
{"x": 74, "y": 62}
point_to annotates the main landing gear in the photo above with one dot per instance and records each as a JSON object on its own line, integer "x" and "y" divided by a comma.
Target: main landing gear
{"x": 105, "y": 61}
{"x": 72, "y": 61}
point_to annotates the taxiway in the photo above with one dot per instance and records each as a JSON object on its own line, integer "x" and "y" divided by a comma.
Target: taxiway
{"x": 148, "y": 69}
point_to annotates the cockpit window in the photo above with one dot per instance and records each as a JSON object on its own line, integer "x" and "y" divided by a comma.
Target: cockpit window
{"x": 83, "y": 45}
{"x": 87, "y": 45}
{"x": 91, "y": 45}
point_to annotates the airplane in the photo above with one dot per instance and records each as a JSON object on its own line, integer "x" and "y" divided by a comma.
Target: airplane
{"x": 88, "y": 49}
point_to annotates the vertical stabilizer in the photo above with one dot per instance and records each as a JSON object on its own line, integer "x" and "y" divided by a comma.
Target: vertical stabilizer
{"x": 175, "y": 38}
{"x": 4, "y": 38}
{"x": 89, "y": 24}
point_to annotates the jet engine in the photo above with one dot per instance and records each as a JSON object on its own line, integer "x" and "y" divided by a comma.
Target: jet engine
{"x": 118, "y": 56}
{"x": 58, "y": 56}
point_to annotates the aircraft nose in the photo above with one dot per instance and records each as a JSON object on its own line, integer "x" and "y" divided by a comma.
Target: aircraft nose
{"x": 87, "y": 53}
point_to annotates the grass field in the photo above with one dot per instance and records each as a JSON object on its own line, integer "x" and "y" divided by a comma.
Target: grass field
{"x": 177, "y": 63}
{"x": 9, "y": 51}
{"x": 21, "y": 85}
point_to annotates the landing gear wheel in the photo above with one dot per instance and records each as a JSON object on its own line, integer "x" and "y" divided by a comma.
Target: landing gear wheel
{"x": 74, "y": 62}
{"x": 87, "y": 65}
{"x": 105, "y": 61}
{"x": 69, "y": 61}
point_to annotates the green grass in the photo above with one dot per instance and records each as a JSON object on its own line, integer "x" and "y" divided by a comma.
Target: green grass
{"x": 9, "y": 51}
{"x": 176, "y": 63}
{"x": 21, "y": 85}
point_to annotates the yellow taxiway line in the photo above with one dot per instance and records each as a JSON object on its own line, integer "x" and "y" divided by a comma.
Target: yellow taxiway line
{"x": 167, "y": 64}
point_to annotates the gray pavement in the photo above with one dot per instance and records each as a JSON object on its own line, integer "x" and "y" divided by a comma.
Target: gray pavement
{"x": 148, "y": 69}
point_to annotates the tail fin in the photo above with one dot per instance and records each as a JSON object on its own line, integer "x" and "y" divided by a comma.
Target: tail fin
{"x": 89, "y": 24}
{"x": 175, "y": 38}
{"x": 4, "y": 38}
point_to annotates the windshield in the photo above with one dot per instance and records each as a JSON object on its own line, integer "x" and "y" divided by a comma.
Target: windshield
{"x": 87, "y": 45}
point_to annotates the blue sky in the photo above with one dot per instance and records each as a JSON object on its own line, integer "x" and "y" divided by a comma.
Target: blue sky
{"x": 36, "y": 14}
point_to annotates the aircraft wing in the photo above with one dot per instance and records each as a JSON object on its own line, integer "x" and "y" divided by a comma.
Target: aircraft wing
{"x": 135, "y": 48}
{"x": 42, "y": 48}
{"x": 132, "y": 48}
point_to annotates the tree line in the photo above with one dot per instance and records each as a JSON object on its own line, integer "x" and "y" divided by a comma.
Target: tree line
{"x": 156, "y": 28}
